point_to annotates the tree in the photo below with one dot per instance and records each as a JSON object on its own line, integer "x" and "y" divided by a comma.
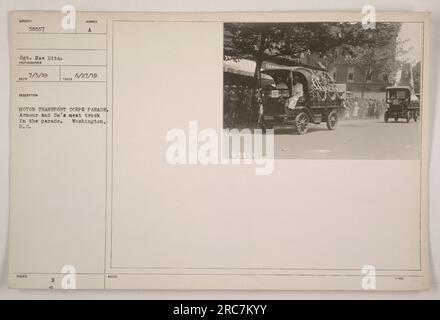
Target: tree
{"x": 375, "y": 51}
{"x": 262, "y": 41}
{"x": 416, "y": 71}
{"x": 372, "y": 50}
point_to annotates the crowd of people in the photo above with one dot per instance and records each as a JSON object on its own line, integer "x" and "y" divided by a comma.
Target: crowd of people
{"x": 241, "y": 105}
{"x": 357, "y": 108}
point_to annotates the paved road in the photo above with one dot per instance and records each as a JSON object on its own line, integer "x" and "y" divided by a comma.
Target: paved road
{"x": 352, "y": 139}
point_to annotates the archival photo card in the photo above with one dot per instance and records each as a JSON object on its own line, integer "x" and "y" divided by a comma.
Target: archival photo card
{"x": 231, "y": 151}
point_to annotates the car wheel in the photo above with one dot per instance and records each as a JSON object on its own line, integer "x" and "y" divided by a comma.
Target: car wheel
{"x": 302, "y": 123}
{"x": 416, "y": 115}
{"x": 332, "y": 120}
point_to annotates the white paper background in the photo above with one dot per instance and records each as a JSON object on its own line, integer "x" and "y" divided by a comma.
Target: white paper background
{"x": 225, "y": 5}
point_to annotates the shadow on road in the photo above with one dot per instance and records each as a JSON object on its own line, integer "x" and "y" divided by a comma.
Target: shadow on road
{"x": 290, "y": 131}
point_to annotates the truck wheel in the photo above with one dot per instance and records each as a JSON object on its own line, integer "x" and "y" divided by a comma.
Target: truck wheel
{"x": 416, "y": 115}
{"x": 301, "y": 123}
{"x": 332, "y": 120}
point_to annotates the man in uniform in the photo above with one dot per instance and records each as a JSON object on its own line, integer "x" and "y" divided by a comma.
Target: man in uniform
{"x": 233, "y": 101}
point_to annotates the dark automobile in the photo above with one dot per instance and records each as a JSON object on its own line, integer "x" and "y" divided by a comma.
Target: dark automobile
{"x": 402, "y": 103}
{"x": 321, "y": 100}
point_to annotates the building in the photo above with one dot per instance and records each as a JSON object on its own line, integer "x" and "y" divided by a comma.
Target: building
{"x": 344, "y": 71}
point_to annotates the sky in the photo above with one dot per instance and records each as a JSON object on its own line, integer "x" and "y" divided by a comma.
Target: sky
{"x": 412, "y": 32}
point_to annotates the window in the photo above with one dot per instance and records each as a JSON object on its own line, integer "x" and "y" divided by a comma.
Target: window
{"x": 350, "y": 74}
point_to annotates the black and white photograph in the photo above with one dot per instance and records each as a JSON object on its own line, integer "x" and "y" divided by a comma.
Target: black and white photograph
{"x": 332, "y": 90}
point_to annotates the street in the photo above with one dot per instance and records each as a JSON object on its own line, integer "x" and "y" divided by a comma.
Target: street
{"x": 352, "y": 139}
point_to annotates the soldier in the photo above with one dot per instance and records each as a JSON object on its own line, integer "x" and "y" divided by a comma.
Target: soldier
{"x": 249, "y": 98}
{"x": 258, "y": 106}
{"x": 233, "y": 101}
{"x": 225, "y": 103}
{"x": 241, "y": 112}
